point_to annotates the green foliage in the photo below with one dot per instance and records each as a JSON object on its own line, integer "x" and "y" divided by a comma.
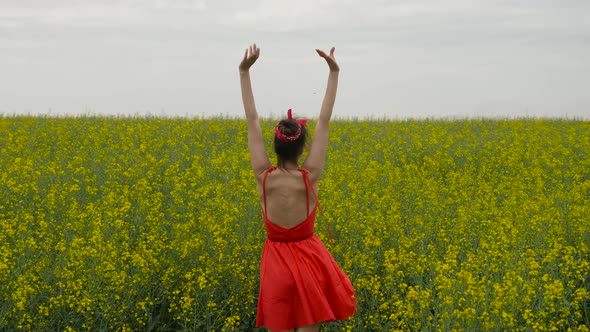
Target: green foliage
{"x": 155, "y": 224}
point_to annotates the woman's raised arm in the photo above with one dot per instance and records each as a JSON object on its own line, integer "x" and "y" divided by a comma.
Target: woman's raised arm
{"x": 319, "y": 145}
{"x": 258, "y": 156}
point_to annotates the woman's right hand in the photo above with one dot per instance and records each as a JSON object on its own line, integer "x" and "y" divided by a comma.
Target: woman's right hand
{"x": 250, "y": 57}
{"x": 329, "y": 59}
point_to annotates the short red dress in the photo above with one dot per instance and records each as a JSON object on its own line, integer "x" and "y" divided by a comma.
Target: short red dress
{"x": 300, "y": 282}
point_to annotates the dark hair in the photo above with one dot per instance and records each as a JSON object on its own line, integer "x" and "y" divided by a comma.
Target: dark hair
{"x": 289, "y": 150}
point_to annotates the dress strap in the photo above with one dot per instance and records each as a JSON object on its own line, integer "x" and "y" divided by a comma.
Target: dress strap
{"x": 315, "y": 195}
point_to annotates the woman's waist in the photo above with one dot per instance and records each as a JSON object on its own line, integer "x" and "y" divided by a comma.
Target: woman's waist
{"x": 289, "y": 237}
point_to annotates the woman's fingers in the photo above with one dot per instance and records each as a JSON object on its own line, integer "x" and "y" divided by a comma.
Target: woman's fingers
{"x": 252, "y": 52}
{"x": 324, "y": 55}
{"x": 250, "y": 57}
{"x": 329, "y": 58}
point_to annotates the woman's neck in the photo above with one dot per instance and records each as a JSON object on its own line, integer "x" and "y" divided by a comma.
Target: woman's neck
{"x": 289, "y": 165}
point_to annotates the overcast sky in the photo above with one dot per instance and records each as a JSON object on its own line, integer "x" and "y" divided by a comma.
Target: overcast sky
{"x": 399, "y": 59}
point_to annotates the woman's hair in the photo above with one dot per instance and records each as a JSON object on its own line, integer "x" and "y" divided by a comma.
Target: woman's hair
{"x": 289, "y": 149}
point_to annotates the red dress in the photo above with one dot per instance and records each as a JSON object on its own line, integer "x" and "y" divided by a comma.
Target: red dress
{"x": 300, "y": 282}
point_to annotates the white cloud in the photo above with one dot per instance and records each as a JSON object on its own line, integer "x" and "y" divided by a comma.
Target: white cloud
{"x": 269, "y": 15}
{"x": 130, "y": 13}
{"x": 181, "y": 4}
{"x": 435, "y": 57}
{"x": 94, "y": 15}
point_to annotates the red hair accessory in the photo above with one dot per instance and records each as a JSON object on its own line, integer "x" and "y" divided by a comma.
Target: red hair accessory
{"x": 295, "y": 136}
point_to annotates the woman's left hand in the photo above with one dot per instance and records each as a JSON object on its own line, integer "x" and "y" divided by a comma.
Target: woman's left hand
{"x": 330, "y": 59}
{"x": 250, "y": 57}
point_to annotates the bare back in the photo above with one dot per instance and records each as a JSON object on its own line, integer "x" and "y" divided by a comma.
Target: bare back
{"x": 286, "y": 197}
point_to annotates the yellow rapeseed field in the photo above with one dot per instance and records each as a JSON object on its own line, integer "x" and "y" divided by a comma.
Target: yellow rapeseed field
{"x": 154, "y": 224}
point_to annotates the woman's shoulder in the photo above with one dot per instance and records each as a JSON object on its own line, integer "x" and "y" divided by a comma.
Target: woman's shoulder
{"x": 304, "y": 170}
{"x": 312, "y": 173}
{"x": 264, "y": 173}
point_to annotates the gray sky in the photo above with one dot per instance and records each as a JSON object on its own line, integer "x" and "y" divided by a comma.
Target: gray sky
{"x": 399, "y": 59}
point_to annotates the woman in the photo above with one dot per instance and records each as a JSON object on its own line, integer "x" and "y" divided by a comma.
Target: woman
{"x": 300, "y": 283}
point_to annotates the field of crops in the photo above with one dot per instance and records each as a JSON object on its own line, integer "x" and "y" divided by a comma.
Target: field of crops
{"x": 154, "y": 224}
